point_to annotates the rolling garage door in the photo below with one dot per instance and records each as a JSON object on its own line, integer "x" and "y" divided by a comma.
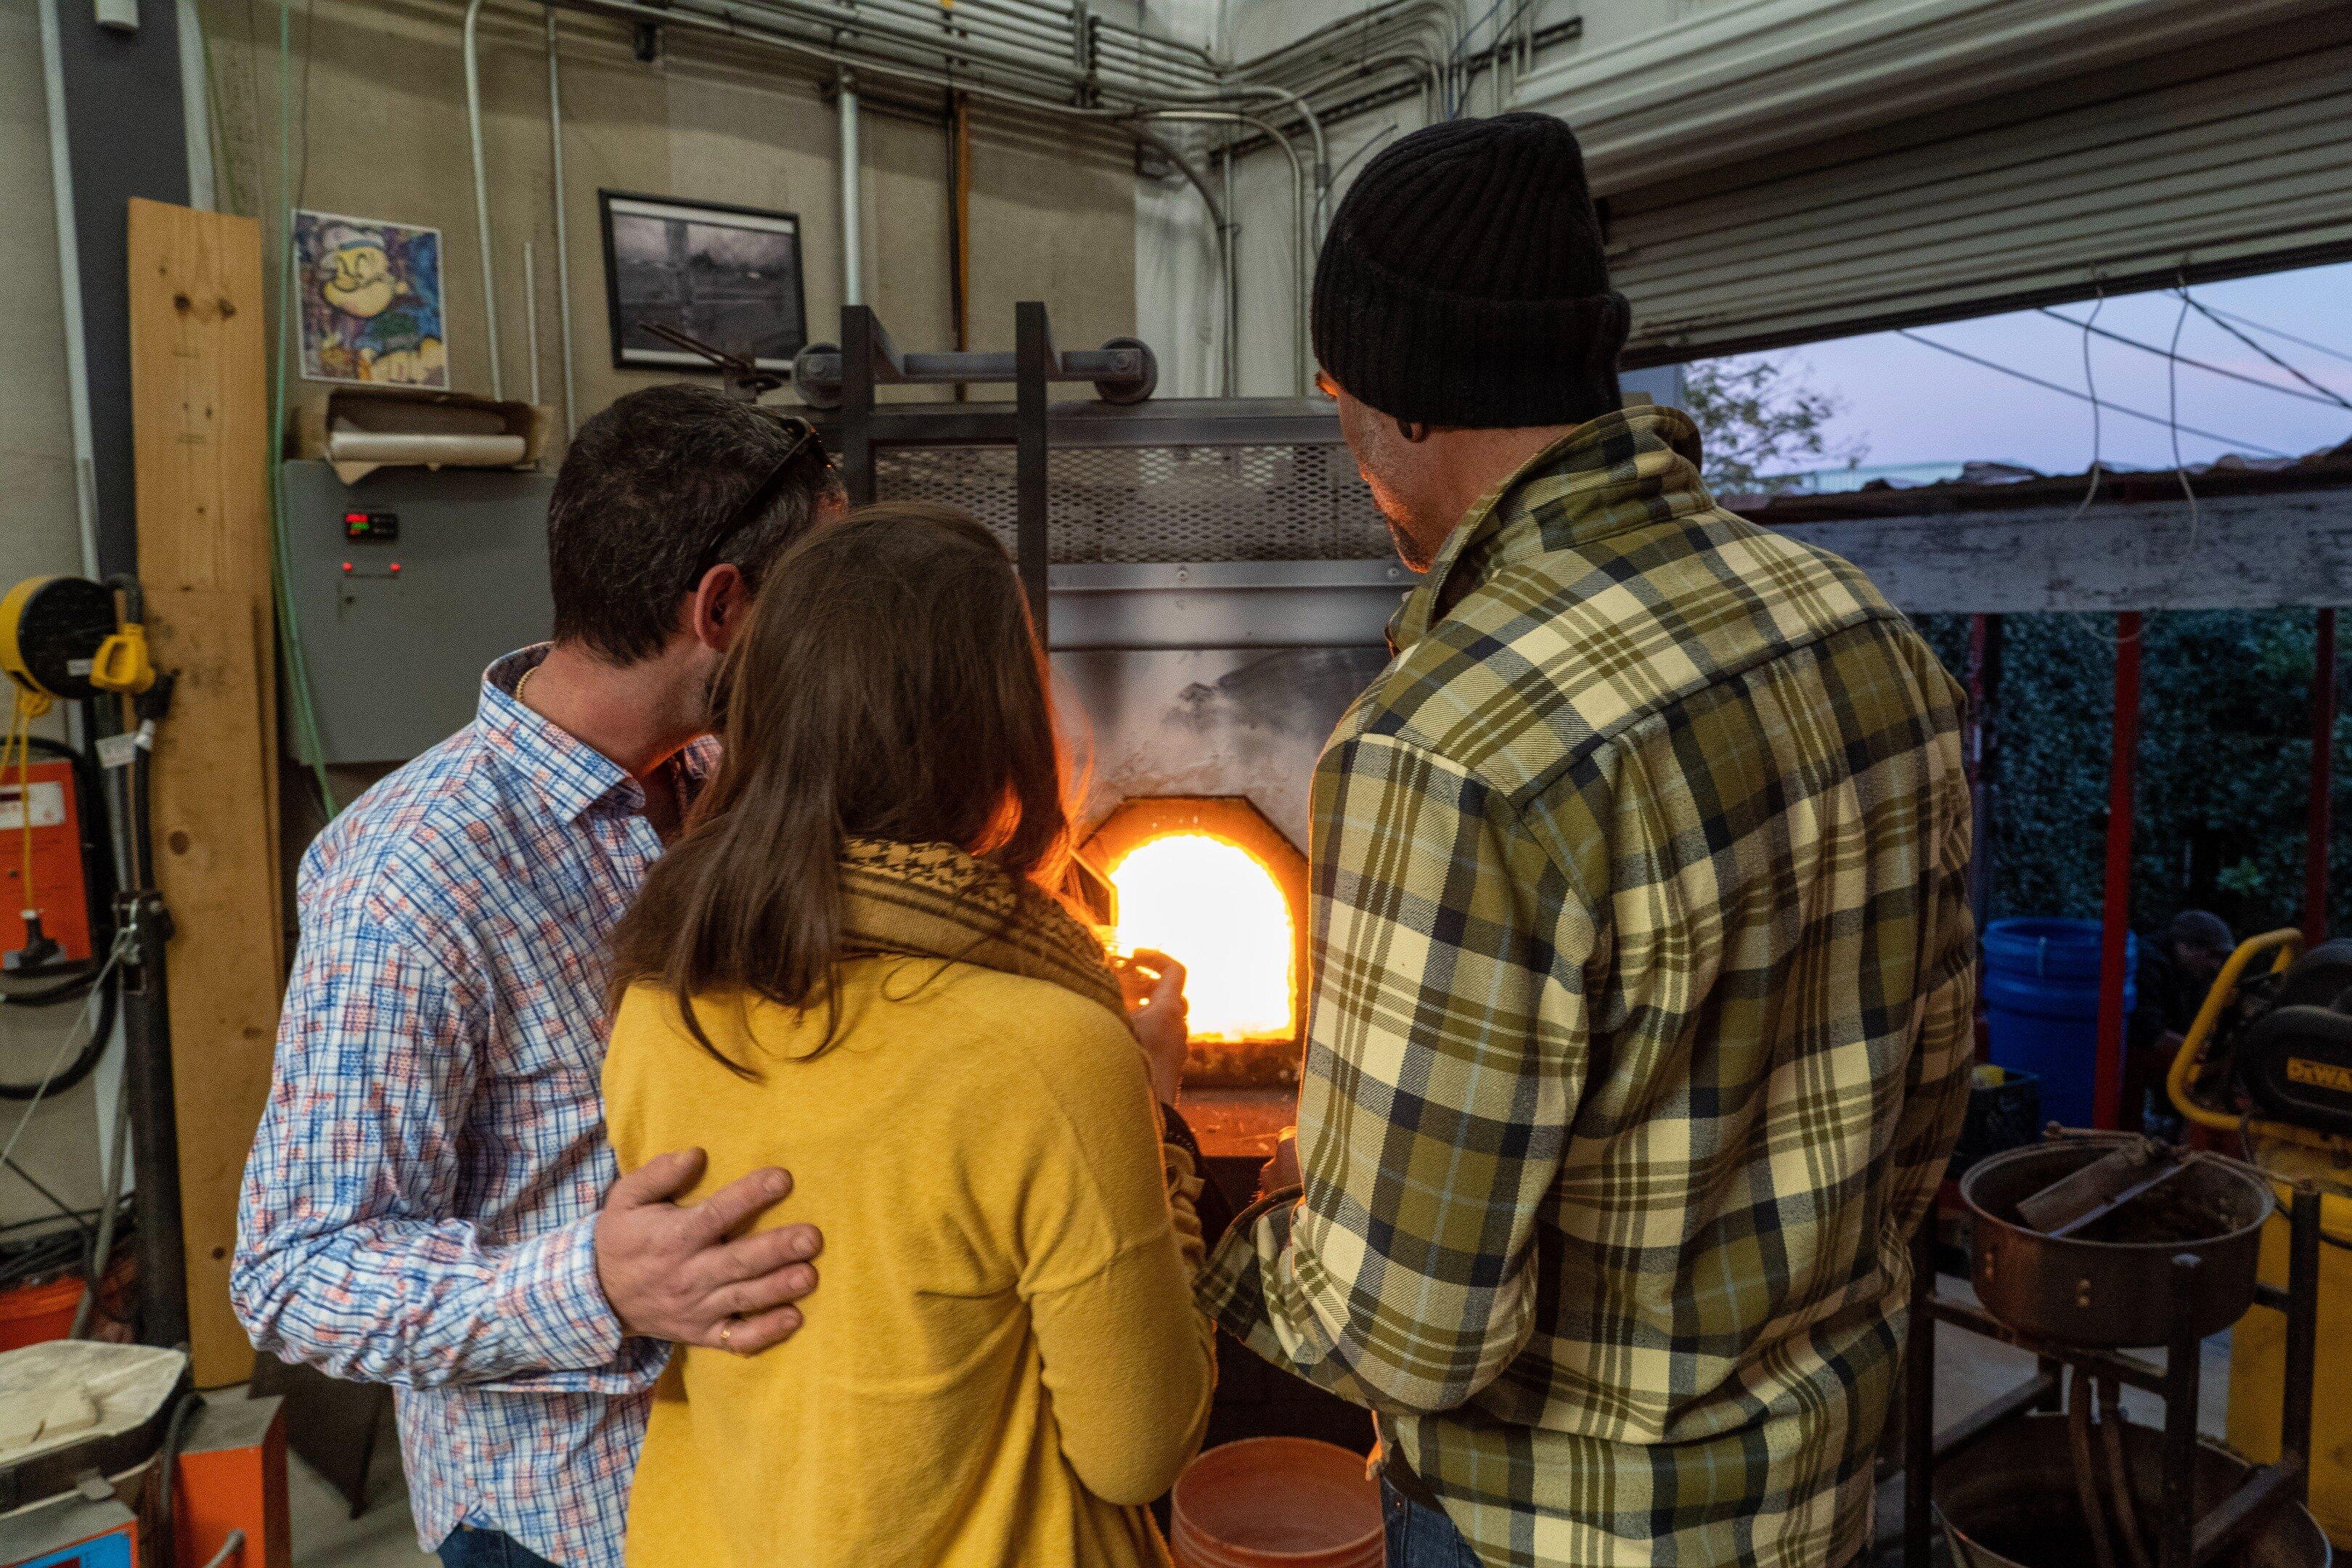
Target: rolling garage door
{"x": 1846, "y": 165}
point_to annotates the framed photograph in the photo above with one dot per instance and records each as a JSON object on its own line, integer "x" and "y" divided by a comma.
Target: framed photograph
{"x": 729, "y": 275}
{"x": 370, "y": 294}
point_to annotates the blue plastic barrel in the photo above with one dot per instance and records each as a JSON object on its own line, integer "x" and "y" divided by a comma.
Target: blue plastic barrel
{"x": 2041, "y": 982}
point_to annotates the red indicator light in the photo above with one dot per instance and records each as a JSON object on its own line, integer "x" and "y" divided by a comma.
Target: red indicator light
{"x": 395, "y": 568}
{"x": 356, "y": 519}
{"x": 347, "y": 565}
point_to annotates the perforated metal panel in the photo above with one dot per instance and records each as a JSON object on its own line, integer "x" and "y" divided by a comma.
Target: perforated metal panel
{"x": 1170, "y": 503}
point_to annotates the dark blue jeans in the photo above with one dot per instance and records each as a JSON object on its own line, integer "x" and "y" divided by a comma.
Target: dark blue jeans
{"x": 466, "y": 1547}
{"x": 1421, "y": 1536}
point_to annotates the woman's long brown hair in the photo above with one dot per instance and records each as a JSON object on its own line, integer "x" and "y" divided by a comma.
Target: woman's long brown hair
{"x": 888, "y": 685}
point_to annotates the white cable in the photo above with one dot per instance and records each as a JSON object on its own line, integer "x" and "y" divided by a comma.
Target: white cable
{"x": 2083, "y": 620}
{"x": 2091, "y": 387}
{"x": 74, "y": 1040}
{"x": 2172, "y": 411}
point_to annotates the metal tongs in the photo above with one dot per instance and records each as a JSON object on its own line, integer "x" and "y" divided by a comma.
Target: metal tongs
{"x": 2076, "y": 1202}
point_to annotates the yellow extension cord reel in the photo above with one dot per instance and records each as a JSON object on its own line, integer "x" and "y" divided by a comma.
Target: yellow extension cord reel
{"x": 60, "y": 637}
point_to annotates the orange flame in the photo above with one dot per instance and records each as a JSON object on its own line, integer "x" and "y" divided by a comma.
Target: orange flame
{"x": 1216, "y": 907}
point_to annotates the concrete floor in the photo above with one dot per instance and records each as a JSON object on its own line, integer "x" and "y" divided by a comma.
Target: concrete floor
{"x": 1969, "y": 1372}
{"x": 325, "y": 1534}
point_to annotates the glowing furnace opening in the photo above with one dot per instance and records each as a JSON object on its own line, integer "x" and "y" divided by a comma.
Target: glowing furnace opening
{"x": 1219, "y": 911}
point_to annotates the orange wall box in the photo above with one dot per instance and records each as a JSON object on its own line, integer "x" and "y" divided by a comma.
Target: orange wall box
{"x": 233, "y": 1478}
{"x": 59, "y": 889}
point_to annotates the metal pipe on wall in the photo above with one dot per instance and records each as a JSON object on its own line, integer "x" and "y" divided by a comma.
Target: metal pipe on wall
{"x": 853, "y": 260}
{"x": 530, "y": 316}
{"x": 959, "y": 227}
{"x": 481, "y": 190}
{"x": 563, "y": 238}
{"x": 1228, "y": 243}
{"x": 1301, "y": 243}
{"x": 730, "y": 18}
{"x": 843, "y": 19}
{"x": 746, "y": 22}
{"x": 1220, "y": 214}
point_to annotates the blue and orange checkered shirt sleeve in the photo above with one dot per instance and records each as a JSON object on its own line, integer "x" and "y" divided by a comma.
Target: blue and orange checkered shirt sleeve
{"x": 348, "y": 1260}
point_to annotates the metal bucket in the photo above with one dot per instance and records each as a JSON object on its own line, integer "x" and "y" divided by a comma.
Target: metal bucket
{"x": 2009, "y": 1500}
{"x": 2114, "y": 1292}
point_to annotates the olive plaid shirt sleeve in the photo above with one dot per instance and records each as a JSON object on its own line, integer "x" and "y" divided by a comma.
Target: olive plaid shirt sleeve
{"x": 1446, "y": 1046}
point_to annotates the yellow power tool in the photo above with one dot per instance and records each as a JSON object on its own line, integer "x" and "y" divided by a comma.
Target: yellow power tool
{"x": 2269, "y": 1060}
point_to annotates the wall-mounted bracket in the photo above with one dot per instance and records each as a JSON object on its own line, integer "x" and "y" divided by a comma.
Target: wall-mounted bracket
{"x": 845, "y": 377}
{"x": 1123, "y": 370}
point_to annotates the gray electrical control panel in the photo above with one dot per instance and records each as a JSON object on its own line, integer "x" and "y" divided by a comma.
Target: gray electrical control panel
{"x": 405, "y": 586}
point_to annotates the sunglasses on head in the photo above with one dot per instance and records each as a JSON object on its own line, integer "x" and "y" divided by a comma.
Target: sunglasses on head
{"x": 804, "y": 444}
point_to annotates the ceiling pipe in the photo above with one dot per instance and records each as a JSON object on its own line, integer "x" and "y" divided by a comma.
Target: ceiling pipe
{"x": 481, "y": 190}
{"x": 1300, "y": 243}
{"x": 873, "y": 41}
{"x": 563, "y": 238}
{"x": 843, "y": 20}
{"x": 744, "y": 18}
{"x": 1230, "y": 372}
{"x": 1434, "y": 23}
{"x": 852, "y": 258}
{"x": 1220, "y": 214}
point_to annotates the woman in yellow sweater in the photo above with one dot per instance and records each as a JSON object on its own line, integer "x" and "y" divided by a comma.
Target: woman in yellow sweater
{"x": 849, "y": 963}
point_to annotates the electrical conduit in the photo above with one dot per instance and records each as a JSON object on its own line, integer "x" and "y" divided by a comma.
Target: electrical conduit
{"x": 481, "y": 190}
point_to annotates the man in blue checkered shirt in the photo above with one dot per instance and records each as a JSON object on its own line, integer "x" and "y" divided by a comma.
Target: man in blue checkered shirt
{"x": 431, "y": 1202}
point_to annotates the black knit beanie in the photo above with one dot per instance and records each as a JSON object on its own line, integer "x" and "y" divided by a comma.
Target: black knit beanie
{"x": 1463, "y": 282}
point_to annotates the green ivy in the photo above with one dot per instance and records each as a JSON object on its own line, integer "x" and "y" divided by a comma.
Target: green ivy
{"x": 2223, "y": 767}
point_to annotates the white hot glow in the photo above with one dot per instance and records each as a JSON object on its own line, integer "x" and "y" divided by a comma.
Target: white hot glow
{"x": 1213, "y": 906}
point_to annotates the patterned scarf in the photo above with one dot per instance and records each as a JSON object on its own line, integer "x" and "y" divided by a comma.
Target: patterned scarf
{"x": 933, "y": 900}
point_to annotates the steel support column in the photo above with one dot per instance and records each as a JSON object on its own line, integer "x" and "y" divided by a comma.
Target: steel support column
{"x": 2114, "y": 915}
{"x": 856, "y": 438}
{"x": 154, "y": 1133}
{"x": 1919, "y": 1401}
{"x": 2320, "y": 821}
{"x": 1033, "y": 349}
{"x": 112, "y": 80}
{"x": 1986, "y": 637}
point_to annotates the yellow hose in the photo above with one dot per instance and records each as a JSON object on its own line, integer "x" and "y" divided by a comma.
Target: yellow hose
{"x": 2288, "y": 941}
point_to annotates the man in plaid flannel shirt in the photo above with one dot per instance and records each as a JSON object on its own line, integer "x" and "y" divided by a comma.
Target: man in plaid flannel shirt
{"x": 1641, "y": 1018}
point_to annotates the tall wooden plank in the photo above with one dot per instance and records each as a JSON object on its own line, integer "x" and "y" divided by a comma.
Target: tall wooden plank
{"x": 200, "y": 419}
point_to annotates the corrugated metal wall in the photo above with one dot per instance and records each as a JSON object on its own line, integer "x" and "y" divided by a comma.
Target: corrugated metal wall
{"x": 2235, "y": 157}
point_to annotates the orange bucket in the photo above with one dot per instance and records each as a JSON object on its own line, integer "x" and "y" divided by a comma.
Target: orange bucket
{"x": 32, "y": 1313}
{"x": 1277, "y": 1503}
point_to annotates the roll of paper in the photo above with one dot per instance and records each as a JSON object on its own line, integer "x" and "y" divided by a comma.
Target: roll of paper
{"x": 435, "y": 448}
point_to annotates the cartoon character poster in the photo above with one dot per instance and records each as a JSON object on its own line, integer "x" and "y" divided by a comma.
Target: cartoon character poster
{"x": 370, "y": 298}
